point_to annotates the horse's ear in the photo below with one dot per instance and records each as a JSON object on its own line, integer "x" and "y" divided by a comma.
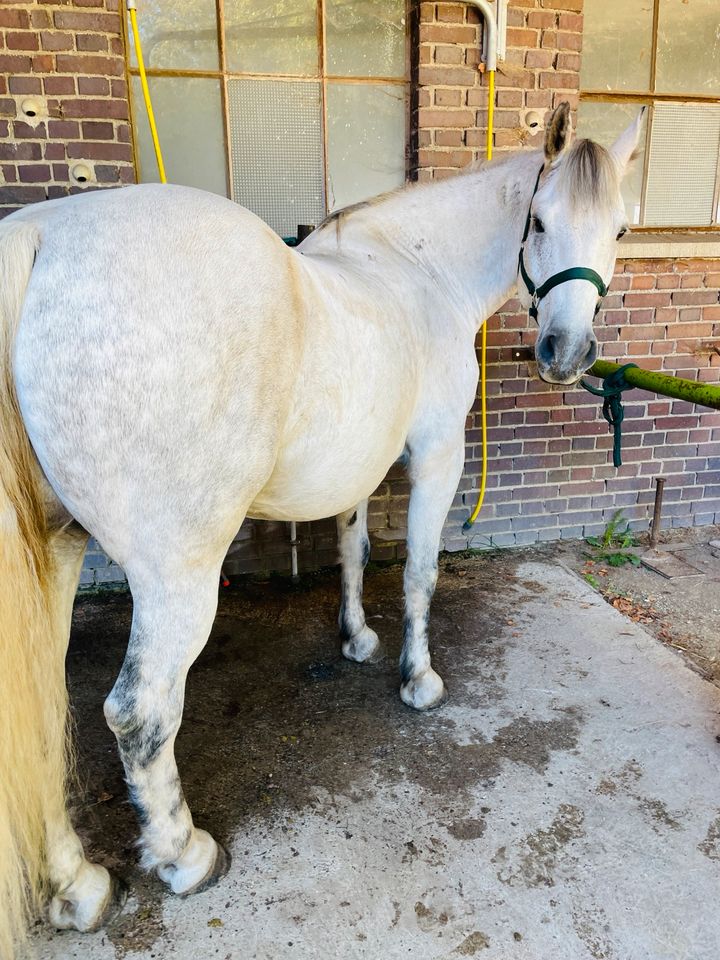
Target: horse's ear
{"x": 557, "y": 132}
{"x": 624, "y": 150}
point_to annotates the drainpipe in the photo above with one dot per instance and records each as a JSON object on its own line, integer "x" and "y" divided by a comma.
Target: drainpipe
{"x": 490, "y": 45}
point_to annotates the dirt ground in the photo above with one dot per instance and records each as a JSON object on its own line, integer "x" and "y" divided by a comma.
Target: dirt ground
{"x": 494, "y": 825}
{"x": 684, "y": 614}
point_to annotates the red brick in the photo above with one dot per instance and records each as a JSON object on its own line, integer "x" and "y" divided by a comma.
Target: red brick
{"x": 14, "y": 18}
{"x": 559, "y": 81}
{"x": 22, "y": 41}
{"x": 27, "y": 150}
{"x": 25, "y": 85}
{"x": 54, "y": 150}
{"x": 450, "y": 12}
{"x": 63, "y": 129}
{"x": 571, "y": 21}
{"x": 569, "y": 41}
{"x": 14, "y": 63}
{"x": 89, "y": 150}
{"x": 93, "y": 86}
{"x": 34, "y": 172}
{"x": 683, "y": 297}
{"x": 25, "y": 131}
{"x": 79, "y": 64}
{"x": 445, "y": 118}
{"x": 438, "y": 33}
{"x": 76, "y": 20}
{"x": 575, "y": 5}
{"x": 91, "y": 41}
{"x": 39, "y": 19}
{"x": 59, "y": 86}
{"x": 97, "y": 130}
{"x": 55, "y": 40}
{"x": 447, "y": 76}
{"x": 541, "y": 18}
{"x": 96, "y": 109}
{"x": 521, "y": 38}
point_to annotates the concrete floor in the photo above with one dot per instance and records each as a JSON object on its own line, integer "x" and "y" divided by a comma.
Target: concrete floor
{"x": 563, "y": 805}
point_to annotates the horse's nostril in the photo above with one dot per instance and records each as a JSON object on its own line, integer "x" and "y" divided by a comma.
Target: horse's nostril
{"x": 545, "y": 350}
{"x": 591, "y": 355}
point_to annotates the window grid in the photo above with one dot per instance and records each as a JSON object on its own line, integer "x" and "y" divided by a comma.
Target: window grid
{"x": 649, "y": 98}
{"x": 225, "y": 75}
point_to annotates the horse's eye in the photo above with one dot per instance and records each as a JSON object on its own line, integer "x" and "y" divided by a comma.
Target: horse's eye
{"x": 538, "y": 225}
{"x": 622, "y": 233}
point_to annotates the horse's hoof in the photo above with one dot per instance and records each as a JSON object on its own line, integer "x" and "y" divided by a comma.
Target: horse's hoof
{"x": 222, "y": 865}
{"x": 364, "y": 647}
{"x": 93, "y": 900}
{"x": 200, "y": 866}
{"x": 424, "y": 692}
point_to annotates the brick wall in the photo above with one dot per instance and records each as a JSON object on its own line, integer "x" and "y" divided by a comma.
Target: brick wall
{"x": 69, "y": 58}
{"x": 551, "y": 472}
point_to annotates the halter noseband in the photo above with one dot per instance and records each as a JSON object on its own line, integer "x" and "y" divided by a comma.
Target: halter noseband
{"x": 574, "y": 273}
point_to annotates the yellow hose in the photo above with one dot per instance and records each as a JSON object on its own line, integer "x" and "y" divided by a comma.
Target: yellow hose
{"x": 483, "y": 335}
{"x": 145, "y": 90}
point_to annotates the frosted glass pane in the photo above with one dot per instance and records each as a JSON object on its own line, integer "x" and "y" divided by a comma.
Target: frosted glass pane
{"x": 277, "y": 151}
{"x": 188, "y": 114}
{"x": 683, "y": 167}
{"x": 688, "y": 57}
{"x": 272, "y": 36}
{"x": 177, "y": 34}
{"x": 365, "y": 38}
{"x": 617, "y": 45}
{"x": 604, "y": 122}
{"x": 366, "y": 140}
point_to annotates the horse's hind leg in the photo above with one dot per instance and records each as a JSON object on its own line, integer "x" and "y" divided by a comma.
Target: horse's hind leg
{"x": 172, "y": 616}
{"x": 86, "y": 895}
{"x": 360, "y": 643}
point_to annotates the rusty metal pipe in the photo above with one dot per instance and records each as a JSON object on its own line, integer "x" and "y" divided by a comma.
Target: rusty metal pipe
{"x": 655, "y": 528}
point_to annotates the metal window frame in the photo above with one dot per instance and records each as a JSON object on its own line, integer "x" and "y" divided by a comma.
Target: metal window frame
{"x": 223, "y": 74}
{"x": 649, "y": 98}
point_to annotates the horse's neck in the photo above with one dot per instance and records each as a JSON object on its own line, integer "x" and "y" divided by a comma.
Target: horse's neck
{"x": 463, "y": 234}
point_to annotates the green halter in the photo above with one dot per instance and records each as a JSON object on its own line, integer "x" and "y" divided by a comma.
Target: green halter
{"x": 574, "y": 273}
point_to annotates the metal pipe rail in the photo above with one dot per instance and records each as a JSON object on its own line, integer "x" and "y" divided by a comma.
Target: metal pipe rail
{"x": 705, "y": 394}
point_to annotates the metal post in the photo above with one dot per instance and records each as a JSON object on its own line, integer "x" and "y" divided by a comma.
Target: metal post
{"x": 655, "y": 528}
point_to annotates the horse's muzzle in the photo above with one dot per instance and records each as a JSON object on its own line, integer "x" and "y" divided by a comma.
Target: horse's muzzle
{"x": 561, "y": 359}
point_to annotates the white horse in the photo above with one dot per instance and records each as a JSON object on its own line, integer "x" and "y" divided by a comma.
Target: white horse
{"x": 170, "y": 367}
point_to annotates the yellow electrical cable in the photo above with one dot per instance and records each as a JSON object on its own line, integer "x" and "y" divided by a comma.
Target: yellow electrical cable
{"x": 146, "y": 92}
{"x": 483, "y": 336}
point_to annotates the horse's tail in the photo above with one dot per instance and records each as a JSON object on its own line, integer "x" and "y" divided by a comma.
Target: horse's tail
{"x": 33, "y": 698}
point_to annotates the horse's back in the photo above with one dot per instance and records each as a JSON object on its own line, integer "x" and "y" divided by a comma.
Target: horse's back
{"x": 155, "y": 355}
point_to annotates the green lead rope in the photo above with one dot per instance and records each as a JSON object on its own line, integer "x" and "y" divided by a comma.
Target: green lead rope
{"x": 612, "y": 390}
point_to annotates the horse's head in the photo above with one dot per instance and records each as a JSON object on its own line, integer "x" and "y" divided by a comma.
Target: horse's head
{"x": 576, "y": 217}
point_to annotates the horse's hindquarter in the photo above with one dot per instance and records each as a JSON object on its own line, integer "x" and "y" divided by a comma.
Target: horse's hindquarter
{"x": 154, "y": 360}
{"x": 355, "y": 394}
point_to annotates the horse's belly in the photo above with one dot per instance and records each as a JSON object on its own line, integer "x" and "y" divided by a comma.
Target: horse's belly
{"x": 310, "y": 481}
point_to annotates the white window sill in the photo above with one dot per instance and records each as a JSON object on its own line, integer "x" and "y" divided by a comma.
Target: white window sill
{"x": 663, "y": 246}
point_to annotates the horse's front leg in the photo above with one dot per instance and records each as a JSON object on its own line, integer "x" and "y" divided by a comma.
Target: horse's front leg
{"x": 172, "y": 616}
{"x": 434, "y": 475}
{"x": 359, "y": 642}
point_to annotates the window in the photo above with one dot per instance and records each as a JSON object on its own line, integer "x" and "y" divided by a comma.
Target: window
{"x": 292, "y": 108}
{"x": 666, "y": 54}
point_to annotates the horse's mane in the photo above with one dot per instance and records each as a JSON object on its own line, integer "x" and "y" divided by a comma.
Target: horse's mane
{"x": 589, "y": 175}
{"x": 586, "y": 171}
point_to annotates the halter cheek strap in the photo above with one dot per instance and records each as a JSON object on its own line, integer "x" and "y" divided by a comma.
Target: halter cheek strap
{"x": 574, "y": 273}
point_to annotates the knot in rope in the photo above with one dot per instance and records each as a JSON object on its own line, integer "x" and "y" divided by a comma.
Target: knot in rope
{"x": 611, "y": 390}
